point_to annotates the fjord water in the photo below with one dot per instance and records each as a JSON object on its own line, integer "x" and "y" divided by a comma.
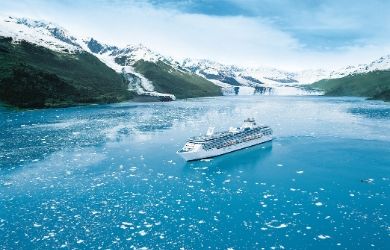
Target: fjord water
{"x": 108, "y": 176}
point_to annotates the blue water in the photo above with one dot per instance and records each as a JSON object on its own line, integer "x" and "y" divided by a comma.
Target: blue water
{"x": 108, "y": 177}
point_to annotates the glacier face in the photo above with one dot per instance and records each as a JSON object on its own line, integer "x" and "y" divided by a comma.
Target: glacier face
{"x": 231, "y": 78}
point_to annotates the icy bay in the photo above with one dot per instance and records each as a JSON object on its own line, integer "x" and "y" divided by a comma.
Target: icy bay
{"x": 108, "y": 176}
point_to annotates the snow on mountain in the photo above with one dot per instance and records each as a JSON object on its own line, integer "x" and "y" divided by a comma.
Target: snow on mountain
{"x": 229, "y": 77}
{"x": 42, "y": 33}
{"x": 239, "y": 80}
{"x": 122, "y": 60}
{"x": 382, "y": 63}
{"x": 311, "y": 75}
{"x": 58, "y": 39}
{"x": 224, "y": 75}
{"x": 235, "y": 75}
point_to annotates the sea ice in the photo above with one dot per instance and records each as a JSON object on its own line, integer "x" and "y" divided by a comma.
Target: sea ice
{"x": 323, "y": 237}
{"x": 142, "y": 233}
{"x": 271, "y": 224}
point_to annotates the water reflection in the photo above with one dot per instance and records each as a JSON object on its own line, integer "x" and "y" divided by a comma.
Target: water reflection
{"x": 247, "y": 158}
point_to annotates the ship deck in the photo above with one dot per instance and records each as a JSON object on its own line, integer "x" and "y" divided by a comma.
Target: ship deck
{"x": 205, "y": 138}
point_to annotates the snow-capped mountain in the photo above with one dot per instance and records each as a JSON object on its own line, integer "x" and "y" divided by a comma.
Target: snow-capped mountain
{"x": 229, "y": 77}
{"x": 224, "y": 75}
{"x": 234, "y": 75}
{"x": 122, "y": 61}
{"x": 56, "y": 38}
{"x": 252, "y": 80}
{"x": 42, "y": 33}
{"x": 382, "y": 63}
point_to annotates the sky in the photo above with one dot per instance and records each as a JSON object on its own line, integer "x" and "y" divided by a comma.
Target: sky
{"x": 288, "y": 35}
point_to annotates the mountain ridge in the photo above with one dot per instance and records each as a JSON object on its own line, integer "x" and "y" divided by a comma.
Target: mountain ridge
{"x": 54, "y": 38}
{"x": 262, "y": 74}
{"x": 229, "y": 78}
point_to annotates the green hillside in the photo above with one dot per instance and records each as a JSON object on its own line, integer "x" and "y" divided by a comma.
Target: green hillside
{"x": 166, "y": 79}
{"x": 375, "y": 85}
{"x": 33, "y": 76}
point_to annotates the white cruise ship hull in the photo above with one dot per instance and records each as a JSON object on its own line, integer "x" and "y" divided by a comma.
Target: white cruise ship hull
{"x": 202, "y": 154}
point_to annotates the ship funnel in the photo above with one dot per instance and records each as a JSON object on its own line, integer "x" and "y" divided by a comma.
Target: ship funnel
{"x": 248, "y": 123}
{"x": 210, "y": 131}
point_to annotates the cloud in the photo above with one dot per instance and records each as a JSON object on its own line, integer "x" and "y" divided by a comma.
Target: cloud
{"x": 251, "y": 33}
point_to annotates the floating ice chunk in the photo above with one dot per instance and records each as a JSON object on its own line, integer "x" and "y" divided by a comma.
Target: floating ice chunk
{"x": 281, "y": 226}
{"x": 352, "y": 195}
{"x": 142, "y": 233}
{"x": 7, "y": 183}
{"x": 279, "y": 165}
{"x": 79, "y": 241}
{"x": 271, "y": 224}
{"x": 226, "y": 181}
{"x": 369, "y": 181}
{"x": 300, "y": 172}
{"x": 37, "y": 225}
{"x": 318, "y": 204}
{"x": 142, "y": 212}
{"x": 323, "y": 237}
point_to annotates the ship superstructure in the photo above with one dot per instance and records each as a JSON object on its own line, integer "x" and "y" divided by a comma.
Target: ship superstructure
{"x": 214, "y": 144}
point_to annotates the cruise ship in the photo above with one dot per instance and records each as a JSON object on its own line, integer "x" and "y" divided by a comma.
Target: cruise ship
{"x": 214, "y": 144}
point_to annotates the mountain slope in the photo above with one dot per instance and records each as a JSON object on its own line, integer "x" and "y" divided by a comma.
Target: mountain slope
{"x": 375, "y": 84}
{"x": 166, "y": 79}
{"x": 145, "y": 72}
{"x": 121, "y": 60}
{"x": 152, "y": 74}
{"x": 34, "y": 76}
